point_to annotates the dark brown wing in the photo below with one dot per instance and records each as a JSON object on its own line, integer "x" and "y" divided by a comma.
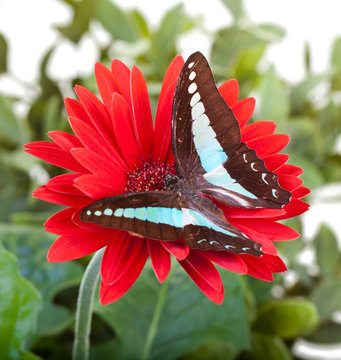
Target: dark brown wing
{"x": 161, "y": 215}
{"x": 244, "y": 181}
{"x": 207, "y": 148}
{"x": 154, "y": 214}
{"x": 206, "y": 228}
{"x": 197, "y": 105}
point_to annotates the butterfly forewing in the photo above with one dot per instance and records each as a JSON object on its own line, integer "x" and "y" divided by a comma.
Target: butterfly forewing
{"x": 155, "y": 214}
{"x": 207, "y": 144}
{"x": 202, "y": 123}
{"x": 164, "y": 216}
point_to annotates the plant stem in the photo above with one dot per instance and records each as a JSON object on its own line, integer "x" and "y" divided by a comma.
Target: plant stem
{"x": 85, "y": 302}
{"x": 156, "y": 318}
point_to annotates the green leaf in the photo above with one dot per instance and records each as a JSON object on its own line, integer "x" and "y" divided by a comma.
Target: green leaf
{"x": 49, "y": 87}
{"x": 100, "y": 352}
{"x": 327, "y": 253}
{"x": 267, "y": 347}
{"x": 114, "y": 20}
{"x": 336, "y": 64}
{"x": 28, "y": 356}
{"x": 31, "y": 244}
{"x": 3, "y": 54}
{"x": 19, "y": 306}
{"x": 10, "y": 131}
{"x": 232, "y": 43}
{"x": 170, "y": 27}
{"x": 140, "y": 23}
{"x": 187, "y": 319}
{"x": 235, "y": 7}
{"x": 300, "y": 93}
{"x": 163, "y": 40}
{"x": 273, "y": 100}
{"x": 327, "y": 297}
{"x": 287, "y": 318}
{"x": 82, "y": 14}
{"x": 246, "y": 70}
{"x": 307, "y": 57}
{"x": 213, "y": 350}
{"x": 328, "y": 333}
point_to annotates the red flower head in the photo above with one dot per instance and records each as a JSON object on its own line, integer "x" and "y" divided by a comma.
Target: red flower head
{"x": 111, "y": 136}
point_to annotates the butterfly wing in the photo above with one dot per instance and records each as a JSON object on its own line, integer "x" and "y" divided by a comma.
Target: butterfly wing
{"x": 206, "y": 228}
{"x": 207, "y": 144}
{"x": 154, "y": 214}
{"x": 163, "y": 215}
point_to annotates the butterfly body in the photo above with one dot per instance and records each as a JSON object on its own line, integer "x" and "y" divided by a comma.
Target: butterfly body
{"x": 210, "y": 160}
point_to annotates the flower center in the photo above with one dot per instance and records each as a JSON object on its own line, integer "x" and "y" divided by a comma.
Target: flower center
{"x": 151, "y": 177}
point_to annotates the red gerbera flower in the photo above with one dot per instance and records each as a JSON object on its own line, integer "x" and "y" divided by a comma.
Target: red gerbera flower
{"x": 111, "y": 136}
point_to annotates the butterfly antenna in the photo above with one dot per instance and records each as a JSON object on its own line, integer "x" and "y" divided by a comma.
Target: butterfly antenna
{"x": 144, "y": 161}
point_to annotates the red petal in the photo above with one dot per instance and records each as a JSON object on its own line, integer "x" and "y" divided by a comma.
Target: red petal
{"x": 109, "y": 294}
{"x": 61, "y": 223}
{"x": 97, "y": 113}
{"x": 269, "y": 144}
{"x": 294, "y": 208}
{"x": 121, "y": 74}
{"x": 301, "y": 192}
{"x": 96, "y": 163}
{"x": 125, "y": 132}
{"x": 251, "y": 213}
{"x": 274, "y": 263}
{"x": 216, "y": 296}
{"x": 288, "y": 169}
{"x": 289, "y": 182}
{"x": 227, "y": 260}
{"x": 64, "y": 184}
{"x": 205, "y": 269}
{"x": 275, "y": 161}
{"x": 43, "y": 193}
{"x": 257, "y": 267}
{"x": 70, "y": 247}
{"x": 97, "y": 187}
{"x": 75, "y": 108}
{"x": 95, "y": 142}
{"x": 105, "y": 83}
{"x": 65, "y": 140}
{"x": 160, "y": 259}
{"x": 162, "y": 134}
{"x": 142, "y": 115}
{"x": 273, "y": 230}
{"x": 257, "y": 129}
{"x": 119, "y": 256}
{"x": 268, "y": 246}
{"x": 243, "y": 110}
{"x": 177, "y": 248}
{"x": 229, "y": 90}
{"x": 52, "y": 153}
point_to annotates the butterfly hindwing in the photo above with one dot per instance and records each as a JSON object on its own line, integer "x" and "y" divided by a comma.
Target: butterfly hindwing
{"x": 243, "y": 180}
{"x": 207, "y": 144}
{"x": 206, "y": 228}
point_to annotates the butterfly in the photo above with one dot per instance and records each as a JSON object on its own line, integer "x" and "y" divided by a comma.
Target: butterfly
{"x": 210, "y": 161}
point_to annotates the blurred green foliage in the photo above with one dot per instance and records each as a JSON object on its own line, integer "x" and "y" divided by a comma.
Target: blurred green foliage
{"x": 257, "y": 320}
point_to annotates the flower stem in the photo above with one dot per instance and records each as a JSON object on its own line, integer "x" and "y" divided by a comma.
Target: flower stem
{"x": 84, "y": 308}
{"x": 156, "y": 318}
